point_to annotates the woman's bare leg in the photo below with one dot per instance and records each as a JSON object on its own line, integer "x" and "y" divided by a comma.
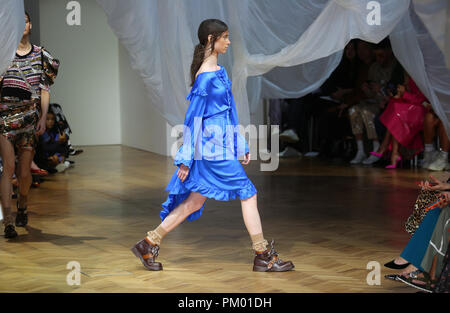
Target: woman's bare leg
{"x": 191, "y": 204}
{"x": 8, "y": 159}
{"x": 429, "y": 128}
{"x": 443, "y": 138}
{"x": 395, "y": 153}
{"x": 251, "y": 216}
{"x": 400, "y": 261}
{"x": 24, "y": 175}
{"x": 385, "y": 144}
{"x": 148, "y": 248}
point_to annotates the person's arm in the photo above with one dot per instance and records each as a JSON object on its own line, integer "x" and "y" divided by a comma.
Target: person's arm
{"x": 45, "y": 100}
{"x": 435, "y": 184}
{"x": 50, "y": 68}
{"x": 193, "y": 127}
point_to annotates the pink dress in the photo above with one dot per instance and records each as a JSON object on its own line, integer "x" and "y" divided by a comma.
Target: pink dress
{"x": 404, "y": 117}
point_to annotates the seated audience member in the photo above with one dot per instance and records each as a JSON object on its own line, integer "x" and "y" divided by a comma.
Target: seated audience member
{"x": 435, "y": 160}
{"x": 299, "y": 112}
{"x": 52, "y": 149}
{"x": 63, "y": 126}
{"x": 279, "y": 110}
{"x": 423, "y": 257}
{"x": 403, "y": 119}
{"x": 334, "y": 125}
{"x": 362, "y": 114}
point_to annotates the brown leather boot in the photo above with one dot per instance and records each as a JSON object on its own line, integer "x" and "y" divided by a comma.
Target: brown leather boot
{"x": 147, "y": 253}
{"x": 268, "y": 261}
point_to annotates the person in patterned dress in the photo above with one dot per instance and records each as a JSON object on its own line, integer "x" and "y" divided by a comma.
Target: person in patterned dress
{"x": 24, "y": 101}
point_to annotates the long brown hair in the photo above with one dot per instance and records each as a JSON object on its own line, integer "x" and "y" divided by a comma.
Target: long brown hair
{"x": 208, "y": 27}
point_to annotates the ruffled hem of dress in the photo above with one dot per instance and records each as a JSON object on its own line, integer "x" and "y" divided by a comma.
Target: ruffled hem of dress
{"x": 181, "y": 191}
{"x": 221, "y": 195}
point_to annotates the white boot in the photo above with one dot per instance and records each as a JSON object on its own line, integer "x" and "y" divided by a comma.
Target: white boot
{"x": 289, "y": 135}
{"x": 440, "y": 163}
{"x": 289, "y": 152}
{"x": 371, "y": 159}
{"x": 428, "y": 158}
{"x": 360, "y": 156}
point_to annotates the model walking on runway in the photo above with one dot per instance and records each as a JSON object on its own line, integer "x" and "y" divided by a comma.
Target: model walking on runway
{"x": 24, "y": 101}
{"x": 203, "y": 174}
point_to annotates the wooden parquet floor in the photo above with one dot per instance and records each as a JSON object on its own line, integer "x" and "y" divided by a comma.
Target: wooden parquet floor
{"x": 329, "y": 219}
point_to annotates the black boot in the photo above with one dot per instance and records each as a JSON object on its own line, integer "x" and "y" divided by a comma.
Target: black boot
{"x": 10, "y": 231}
{"x": 21, "y": 217}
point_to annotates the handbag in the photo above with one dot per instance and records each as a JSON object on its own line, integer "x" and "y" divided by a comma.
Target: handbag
{"x": 425, "y": 199}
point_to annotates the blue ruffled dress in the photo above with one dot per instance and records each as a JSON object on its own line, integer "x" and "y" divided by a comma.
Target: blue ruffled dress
{"x": 211, "y": 146}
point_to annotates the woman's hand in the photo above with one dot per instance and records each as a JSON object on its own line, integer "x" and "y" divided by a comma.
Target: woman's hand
{"x": 40, "y": 127}
{"x": 434, "y": 184}
{"x": 183, "y": 172}
{"x": 62, "y": 137}
{"x": 246, "y": 159}
{"x": 446, "y": 195}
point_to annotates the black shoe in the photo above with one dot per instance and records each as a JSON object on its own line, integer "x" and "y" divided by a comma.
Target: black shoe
{"x": 10, "y": 231}
{"x": 75, "y": 152}
{"x": 396, "y": 266}
{"x": 21, "y": 218}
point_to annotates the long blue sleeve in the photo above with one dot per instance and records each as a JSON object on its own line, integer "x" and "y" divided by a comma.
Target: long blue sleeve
{"x": 240, "y": 144}
{"x": 193, "y": 124}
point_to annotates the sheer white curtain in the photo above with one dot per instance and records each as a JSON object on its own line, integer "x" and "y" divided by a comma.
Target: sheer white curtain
{"x": 283, "y": 48}
{"x": 424, "y": 61}
{"x": 435, "y": 14}
{"x": 288, "y": 47}
{"x": 12, "y": 24}
{"x": 323, "y": 28}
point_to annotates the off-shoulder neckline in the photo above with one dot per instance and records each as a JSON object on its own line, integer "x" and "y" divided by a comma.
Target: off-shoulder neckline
{"x": 221, "y": 68}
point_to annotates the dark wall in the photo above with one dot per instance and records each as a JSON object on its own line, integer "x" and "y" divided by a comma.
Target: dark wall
{"x": 32, "y": 7}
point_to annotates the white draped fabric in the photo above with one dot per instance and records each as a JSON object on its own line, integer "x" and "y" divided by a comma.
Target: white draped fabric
{"x": 12, "y": 24}
{"x": 283, "y": 48}
{"x": 288, "y": 47}
{"x": 435, "y": 14}
{"x": 424, "y": 61}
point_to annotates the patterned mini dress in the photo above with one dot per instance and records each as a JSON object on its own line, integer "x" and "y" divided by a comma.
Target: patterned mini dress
{"x": 20, "y": 95}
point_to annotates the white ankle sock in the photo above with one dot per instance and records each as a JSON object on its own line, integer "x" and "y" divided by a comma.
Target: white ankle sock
{"x": 429, "y": 147}
{"x": 360, "y": 145}
{"x": 444, "y": 154}
{"x": 376, "y": 145}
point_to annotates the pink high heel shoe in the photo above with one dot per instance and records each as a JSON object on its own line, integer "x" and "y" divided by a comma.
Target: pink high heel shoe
{"x": 393, "y": 166}
{"x": 379, "y": 155}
